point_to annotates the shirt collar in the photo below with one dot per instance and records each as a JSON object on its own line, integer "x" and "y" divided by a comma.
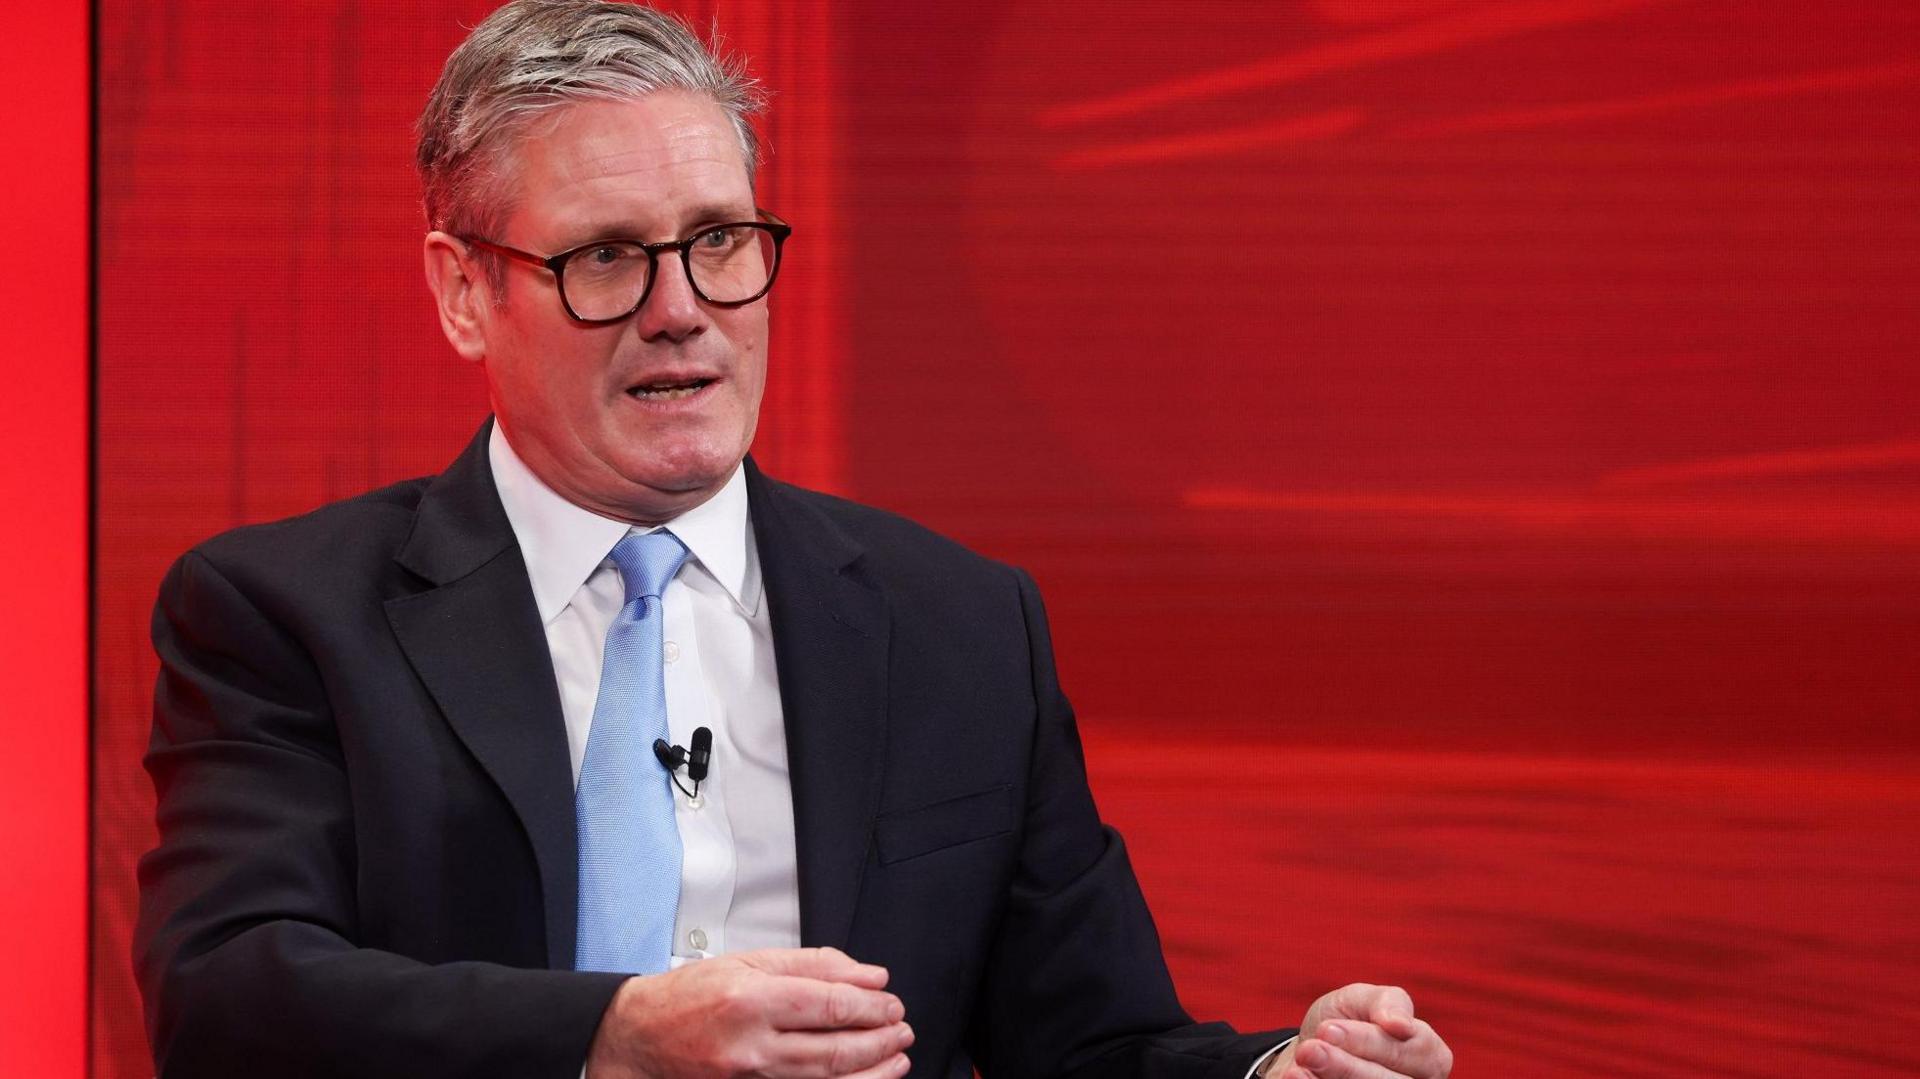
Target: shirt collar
{"x": 563, "y": 544}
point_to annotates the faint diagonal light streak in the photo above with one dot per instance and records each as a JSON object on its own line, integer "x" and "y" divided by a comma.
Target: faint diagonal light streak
{"x": 1779, "y": 518}
{"x": 1226, "y": 140}
{"x": 1744, "y": 90}
{"x": 1484, "y": 23}
{"x": 1819, "y": 462}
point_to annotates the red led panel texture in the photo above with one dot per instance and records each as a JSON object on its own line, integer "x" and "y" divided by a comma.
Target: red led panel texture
{"x": 1469, "y": 450}
{"x": 44, "y": 440}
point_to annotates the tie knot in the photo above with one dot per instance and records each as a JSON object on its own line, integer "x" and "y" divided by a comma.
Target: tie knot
{"x": 647, "y": 562}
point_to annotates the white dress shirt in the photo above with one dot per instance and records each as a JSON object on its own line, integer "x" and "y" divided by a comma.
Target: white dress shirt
{"x": 739, "y": 878}
{"x": 739, "y": 884}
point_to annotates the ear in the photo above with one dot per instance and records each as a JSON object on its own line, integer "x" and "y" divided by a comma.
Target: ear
{"x": 461, "y": 292}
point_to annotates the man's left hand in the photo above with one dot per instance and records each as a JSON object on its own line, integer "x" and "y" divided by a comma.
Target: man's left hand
{"x": 1364, "y": 1032}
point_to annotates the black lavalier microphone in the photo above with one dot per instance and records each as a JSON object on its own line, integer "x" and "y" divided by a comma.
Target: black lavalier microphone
{"x": 702, "y": 754}
{"x": 697, "y": 761}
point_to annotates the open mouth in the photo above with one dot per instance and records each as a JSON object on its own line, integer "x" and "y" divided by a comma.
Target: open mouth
{"x": 669, "y": 390}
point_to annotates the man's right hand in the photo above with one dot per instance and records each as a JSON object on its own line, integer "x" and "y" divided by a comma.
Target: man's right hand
{"x": 804, "y": 1013}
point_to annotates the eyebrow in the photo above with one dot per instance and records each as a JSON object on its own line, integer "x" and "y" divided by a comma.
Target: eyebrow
{"x": 712, "y": 214}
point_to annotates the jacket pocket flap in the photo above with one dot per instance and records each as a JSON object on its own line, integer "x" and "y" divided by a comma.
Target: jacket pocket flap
{"x": 913, "y": 832}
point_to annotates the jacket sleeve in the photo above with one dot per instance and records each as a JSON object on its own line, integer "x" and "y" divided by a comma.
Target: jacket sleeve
{"x": 1075, "y": 986}
{"x": 245, "y": 948}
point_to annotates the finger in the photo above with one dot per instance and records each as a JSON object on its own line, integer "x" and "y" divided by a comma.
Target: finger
{"x": 805, "y": 1004}
{"x": 826, "y": 964}
{"x": 1414, "y": 1055}
{"x": 1423, "y": 1053}
{"x": 893, "y": 1067}
{"x": 1401, "y": 1024}
{"x": 846, "y": 1052}
{"x": 1387, "y": 1005}
{"x": 1322, "y": 1061}
{"x": 1367, "y": 1041}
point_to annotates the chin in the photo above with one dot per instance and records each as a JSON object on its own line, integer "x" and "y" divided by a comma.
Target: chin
{"x": 684, "y": 473}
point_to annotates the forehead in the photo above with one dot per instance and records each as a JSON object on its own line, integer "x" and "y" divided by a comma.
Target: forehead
{"x": 648, "y": 167}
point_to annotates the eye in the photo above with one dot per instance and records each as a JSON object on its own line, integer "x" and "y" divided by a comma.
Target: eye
{"x": 718, "y": 239}
{"x": 612, "y": 257}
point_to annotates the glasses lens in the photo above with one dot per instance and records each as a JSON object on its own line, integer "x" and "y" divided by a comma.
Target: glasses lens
{"x": 732, "y": 263}
{"x": 605, "y": 280}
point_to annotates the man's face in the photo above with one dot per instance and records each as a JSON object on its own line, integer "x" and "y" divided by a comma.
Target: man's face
{"x": 569, "y": 395}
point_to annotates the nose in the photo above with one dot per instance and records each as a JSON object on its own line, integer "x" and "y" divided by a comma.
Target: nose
{"x": 673, "y": 312}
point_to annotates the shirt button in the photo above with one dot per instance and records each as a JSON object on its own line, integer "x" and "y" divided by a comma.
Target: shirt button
{"x": 698, "y": 938}
{"x": 672, "y": 651}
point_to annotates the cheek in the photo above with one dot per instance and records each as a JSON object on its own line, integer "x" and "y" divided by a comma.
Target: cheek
{"x": 543, "y": 390}
{"x": 752, "y": 338}
{"x": 564, "y": 381}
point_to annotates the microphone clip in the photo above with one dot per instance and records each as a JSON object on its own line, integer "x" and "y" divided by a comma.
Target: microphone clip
{"x": 696, "y": 760}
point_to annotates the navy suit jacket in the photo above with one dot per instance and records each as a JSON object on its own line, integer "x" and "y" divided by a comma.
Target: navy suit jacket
{"x": 366, "y": 863}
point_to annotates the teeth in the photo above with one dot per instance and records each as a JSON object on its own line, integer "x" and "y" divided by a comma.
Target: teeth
{"x": 666, "y": 393}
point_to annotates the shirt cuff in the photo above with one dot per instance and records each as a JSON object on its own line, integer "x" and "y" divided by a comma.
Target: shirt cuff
{"x": 1252, "y": 1073}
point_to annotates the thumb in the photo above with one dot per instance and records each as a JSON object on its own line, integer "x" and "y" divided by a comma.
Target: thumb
{"x": 822, "y": 964}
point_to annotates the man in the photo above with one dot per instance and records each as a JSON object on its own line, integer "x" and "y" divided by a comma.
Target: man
{"x": 420, "y": 811}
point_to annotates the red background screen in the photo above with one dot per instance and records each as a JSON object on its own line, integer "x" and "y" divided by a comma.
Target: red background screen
{"x": 1468, "y": 448}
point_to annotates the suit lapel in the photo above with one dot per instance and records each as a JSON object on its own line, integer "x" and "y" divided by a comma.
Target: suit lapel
{"x": 475, "y": 639}
{"x": 830, "y": 636}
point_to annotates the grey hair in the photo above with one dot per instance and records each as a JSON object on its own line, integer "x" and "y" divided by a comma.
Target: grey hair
{"x": 533, "y": 56}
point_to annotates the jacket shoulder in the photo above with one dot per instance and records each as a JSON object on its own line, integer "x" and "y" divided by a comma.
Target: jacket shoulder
{"x": 903, "y": 551}
{"x": 353, "y": 534}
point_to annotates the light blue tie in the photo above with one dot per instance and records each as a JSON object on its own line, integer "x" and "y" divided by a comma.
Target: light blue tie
{"x": 629, "y": 844}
